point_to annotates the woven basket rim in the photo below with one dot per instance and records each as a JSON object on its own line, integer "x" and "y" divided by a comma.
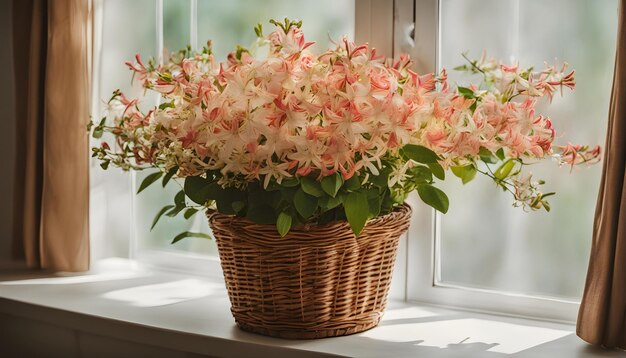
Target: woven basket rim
{"x": 403, "y": 208}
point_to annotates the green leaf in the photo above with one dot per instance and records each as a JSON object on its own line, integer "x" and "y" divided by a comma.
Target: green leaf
{"x": 433, "y": 197}
{"x": 381, "y": 180}
{"x": 289, "y": 182}
{"x": 328, "y": 202}
{"x": 149, "y": 180}
{"x": 500, "y": 154}
{"x": 159, "y": 214}
{"x": 287, "y": 194}
{"x": 179, "y": 199}
{"x": 437, "y": 170}
{"x": 261, "y": 213}
{"x": 283, "y": 223}
{"x": 199, "y": 189}
{"x": 374, "y": 201}
{"x": 421, "y": 174}
{"x": 386, "y": 202}
{"x": 258, "y": 30}
{"x": 179, "y": 204}
{"x": 238, "y": 205}
{"x": 186, "y": 234}
{"x": 354, "y": 183}
{"x": 175, "y": 211}
{"x": 466, "y": 173}
{"x": 504, "y": 170}
{"x": 399, "y": 196}
{"x": 331, "y": 184}
{"x": 258, "y": 196}
{"x": 486, "y": 156}
{"x": 98, "y": 132}
{"x": 305, "y": 204}
{"x": 466, "y": 92}
{"x": 311, "y": 186}
{"x": 328, "y": 216}
{"x": 166, "y": 105}
{"x": 546, "y": 205}
{"x": 189, "y": 213}
{"x": 169, "y": 176}
{"x": 273, "y": 185}
{"x": 419, "y": 154}
{"x": 357, "y": 210}
{"x": 225, "y": 197}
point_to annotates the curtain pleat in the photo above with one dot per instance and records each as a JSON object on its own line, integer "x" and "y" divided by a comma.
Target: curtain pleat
{"x": 29, "y": 41}
{"x": 51, "y": 206}
{"x": 602, "y": 314}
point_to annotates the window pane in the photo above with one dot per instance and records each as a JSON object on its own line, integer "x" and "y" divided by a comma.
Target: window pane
{"x": 484, "y": 242}
{"x": 176, "y": 24}
{"x": 111, "y": 216}
{"x": 229, "y": 23}
{"x": 226, "y": 23}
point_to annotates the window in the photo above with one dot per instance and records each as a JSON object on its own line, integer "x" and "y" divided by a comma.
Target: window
{"x": 483, "y": 254}
{"x": 111, "y": 196}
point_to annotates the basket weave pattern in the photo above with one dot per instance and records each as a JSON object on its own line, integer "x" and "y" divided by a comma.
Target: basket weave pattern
{"x": 318, "y": 281}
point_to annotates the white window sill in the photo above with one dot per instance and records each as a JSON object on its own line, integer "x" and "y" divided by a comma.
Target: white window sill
{"x": 190, "y": 315}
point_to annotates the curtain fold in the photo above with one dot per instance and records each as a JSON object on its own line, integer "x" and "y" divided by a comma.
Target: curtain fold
{"x": 602, "y": 314}
{"x": 51, "y": 206}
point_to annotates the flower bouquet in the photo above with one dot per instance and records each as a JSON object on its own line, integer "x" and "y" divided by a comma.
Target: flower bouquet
{"x": 303, "y": 162}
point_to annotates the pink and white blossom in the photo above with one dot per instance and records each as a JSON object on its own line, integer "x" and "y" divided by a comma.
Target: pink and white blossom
{"x": 294, "y": 113}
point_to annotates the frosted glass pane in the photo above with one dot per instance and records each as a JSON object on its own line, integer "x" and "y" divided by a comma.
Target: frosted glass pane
{"x": 486, "y": 243}
{"x": 125, "y": 34}
{"x": 110, "y": 212}
{"x": 229, "y": 23}
{"x": 176, "y": 24}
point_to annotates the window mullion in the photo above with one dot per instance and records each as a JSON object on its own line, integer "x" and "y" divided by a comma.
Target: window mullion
{"x": 133, "y": 247}
{"x": 421, "y": 262}
{"x": 159, "y": 31}
{"x": 193, "y": 24}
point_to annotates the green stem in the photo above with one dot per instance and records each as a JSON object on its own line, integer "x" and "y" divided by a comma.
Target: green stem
{"x": 473, "y": 64}
{"x": 505, "y": 183}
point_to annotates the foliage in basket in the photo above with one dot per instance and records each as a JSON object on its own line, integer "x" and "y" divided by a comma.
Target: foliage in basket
{"x": 294, "y": 137}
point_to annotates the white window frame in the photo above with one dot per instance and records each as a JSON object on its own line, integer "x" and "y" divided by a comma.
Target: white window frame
{"x": 392, "y": 27}
{"x": 423, "y": 269}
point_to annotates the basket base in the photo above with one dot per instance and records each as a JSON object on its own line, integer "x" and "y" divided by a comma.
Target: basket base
{"x": 308, "y": 334}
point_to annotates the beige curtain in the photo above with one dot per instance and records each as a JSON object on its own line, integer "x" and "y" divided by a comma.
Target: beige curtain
{"x": 51, "y": 208}
{"x": 602, "y": 315}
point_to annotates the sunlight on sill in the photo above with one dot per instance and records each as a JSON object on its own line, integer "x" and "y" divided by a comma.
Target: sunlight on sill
{"x": 468, "y": 334}
{"x": 165, "y": 293}
{"x": 110, "y": 269}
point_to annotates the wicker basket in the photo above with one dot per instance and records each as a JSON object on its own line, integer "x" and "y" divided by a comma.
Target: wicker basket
{"x": 318, "y": 281}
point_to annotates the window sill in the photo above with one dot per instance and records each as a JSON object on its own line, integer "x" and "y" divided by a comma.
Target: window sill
{"x": 147, "y": 310}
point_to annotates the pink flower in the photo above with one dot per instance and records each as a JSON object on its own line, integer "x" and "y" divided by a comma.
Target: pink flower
{"x": 139, "y": 68}
{"x": 578, "y": 154}
{"x": 511, "y": 69}
{"x": 345, "y": 111}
